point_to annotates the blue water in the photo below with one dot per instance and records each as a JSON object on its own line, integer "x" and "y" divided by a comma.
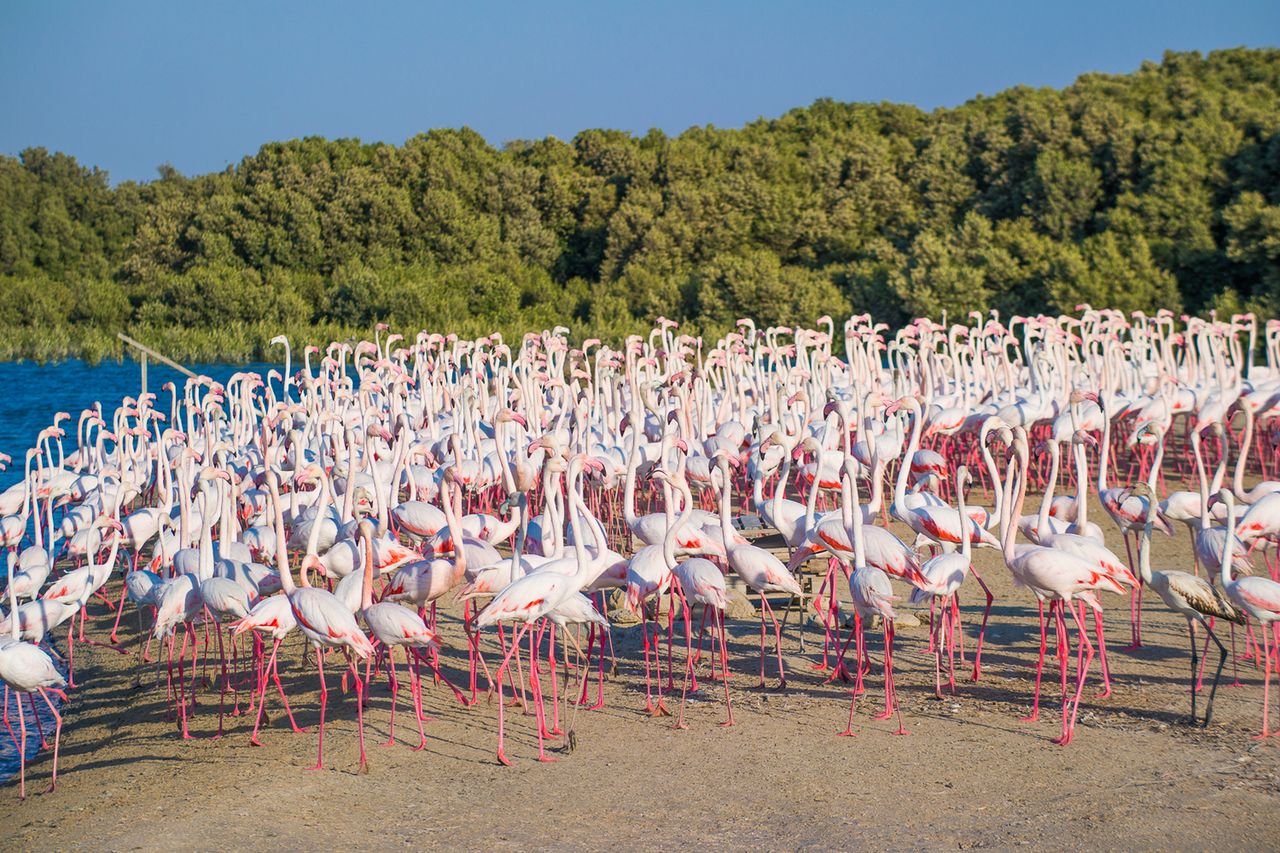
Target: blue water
{"x": 32, "y": 393}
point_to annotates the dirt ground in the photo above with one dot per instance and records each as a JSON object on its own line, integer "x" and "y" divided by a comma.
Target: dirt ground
{"x": 969, "y": 774}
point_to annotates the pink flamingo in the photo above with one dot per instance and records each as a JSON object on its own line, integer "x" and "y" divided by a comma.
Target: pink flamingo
{"x": 395, "y": 627}
{"x": 1060, "y": 578}
{"x": 273, "y": 618}
{"x": 872, "y": 596}
{"x": 530, "y": 598}
{"x": 326, "y": 622}
{"x": 1258, "y": 597}
{"x": 26, "y": 668}
{"x": 761, "y": 571}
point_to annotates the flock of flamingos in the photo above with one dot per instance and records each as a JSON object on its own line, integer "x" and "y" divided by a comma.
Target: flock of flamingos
{"x": 347, "y": 498}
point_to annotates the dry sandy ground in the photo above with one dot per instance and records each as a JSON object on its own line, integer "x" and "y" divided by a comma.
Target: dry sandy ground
{"x": 969, "y": 775}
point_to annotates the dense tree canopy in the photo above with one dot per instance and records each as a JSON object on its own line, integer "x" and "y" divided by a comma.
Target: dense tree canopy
{"x": 1154, "y": 189}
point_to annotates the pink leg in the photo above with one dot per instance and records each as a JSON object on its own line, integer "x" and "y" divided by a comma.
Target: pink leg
{"x": 22, "y": 748}
{"x": 555, "y": 696}
{"x": 893, "y": 687}
{"x": 1102, "y": 652}
{"x": 71, "y": 655}
{"x": 515, "y": 644}
{"x": 1084, "y": 658}
{"x": 982, "y": 632}
{"x": 182, "y": 682}
{"x": 395, "y": 693}
{"x": 363, "y": 766}
{"x": 324, "y": 702}
{"x": 724, "y": 667}
{"x": 284, "y": 700}
{"x": 222, "y": 693}
{"x": 1044, "y": 645}
{"x": 57, "y": 732}
{"x": 262, "y": 694}
{"x": 119, "y": 612}
{"x": 535, "y": 687}
{"x": 688, "y": 661}
{"x": 1266, "y": 686}
{"x": 415, "y": 688}
{"x": 1135, "y": 603}
{"x": 777, "y": 633}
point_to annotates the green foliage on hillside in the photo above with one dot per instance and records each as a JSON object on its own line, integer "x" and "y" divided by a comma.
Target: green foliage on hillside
{"x": 1154, "y": 189}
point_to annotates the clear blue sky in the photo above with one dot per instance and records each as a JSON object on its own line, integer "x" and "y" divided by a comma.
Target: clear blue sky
{"x": 130, "y": 85}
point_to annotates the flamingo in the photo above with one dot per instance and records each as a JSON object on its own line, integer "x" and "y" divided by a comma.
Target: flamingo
{"x": 759, "y": 569}
{"x": 395, "y": 627}
{"x": 1189, "y": 595}
{"x": 26, "y": 668}
{"x": 945, "y": 573}
{"x": 1257, "y": 597}
{"x": 1060, "y": 578}
{"x": 530, "y": 598}
{"x": 323, "y": 620}
{"x": 872, "y": 595}
{"x": 271, "y": 617}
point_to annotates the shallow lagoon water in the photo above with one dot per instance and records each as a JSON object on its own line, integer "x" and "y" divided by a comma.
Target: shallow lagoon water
{"x": 31, "y": 393}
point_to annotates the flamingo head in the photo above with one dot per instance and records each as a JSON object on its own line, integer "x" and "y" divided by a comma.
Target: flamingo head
{"x": 310, "y": 563}
{"x": 308, "y": 474}
{"x": 1148, "y": 433}
{"x": 1084, "y": 437}
{"x": 107, "y": 521}
{"x": 212, "y": 473}
{"x": 512, "y": 416}
{"x": 1141, "y": 490}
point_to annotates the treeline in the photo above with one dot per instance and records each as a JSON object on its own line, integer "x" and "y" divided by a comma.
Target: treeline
{"x": 1154, "y": 189}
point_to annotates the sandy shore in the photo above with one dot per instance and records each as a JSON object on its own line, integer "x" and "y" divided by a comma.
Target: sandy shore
{"x": 969, "y": 775}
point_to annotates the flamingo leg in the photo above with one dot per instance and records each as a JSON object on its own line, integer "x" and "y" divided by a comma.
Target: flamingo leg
{"x": 1102, "y": 652}
{"x": 22, "y": 748}
{"x": 222, "y": 693}
{"x": 1083, "y": 660}
{"x": 120, "y": 608}
{"x": 535, "y": 687}
{"x": 1044, "y": 645}
{"x": 688, "y": 660}
{"x": 777, "y": 632}
{"x": 394, "y": 684}
{"x": 1266, "y": 686}
{"x": 415, "y": 687}
{"x": 500, "y": 674}
{"x": 893, "y": 687}
{"x": 57, "y": 732}
{"x": 982, "y": 632}
{"x": 324, "y": 702}
{"x": 724, "y": 667}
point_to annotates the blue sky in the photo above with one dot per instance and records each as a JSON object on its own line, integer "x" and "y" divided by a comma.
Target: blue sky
{"x": 130, "y": 85}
